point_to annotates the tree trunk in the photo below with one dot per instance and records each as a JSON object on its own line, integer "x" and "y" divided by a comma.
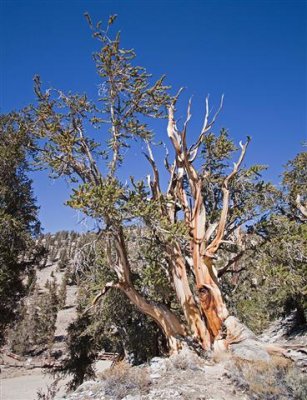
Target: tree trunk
{"x": 166, "y": 320}
{"x": 213, "y": 307}
{"x": 186, "y": 299}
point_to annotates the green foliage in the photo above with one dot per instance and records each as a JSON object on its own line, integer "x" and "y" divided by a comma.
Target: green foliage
{"x": 295, "y": 177}
{"x": 126, "y": 92}
{"x": 18, "y": 216}
{"x": 273, "y": 281}
{"x": 98, "y": 201}
{"x": 128, "y": 98}
{"x": 82, "y": 352}
{"x": 35, "y": 326}
{"x": 62, "y": 293}
{"x": 217, "y": 151}
{"x": 250, "y": 196}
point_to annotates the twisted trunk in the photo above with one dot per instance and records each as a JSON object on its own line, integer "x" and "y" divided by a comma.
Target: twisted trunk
{"x": 186, "y": 299}
{"x": 213, "y": 309}
{"x": 166, "y": 320}
{"x": 211, "y": 300}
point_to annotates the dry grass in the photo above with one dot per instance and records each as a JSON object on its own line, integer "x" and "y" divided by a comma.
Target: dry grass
{"x": 277, "y": 380}
{"x": 50, "y": 392}
{"x": 123, "y": 379}
{"x": 185, "y": 360}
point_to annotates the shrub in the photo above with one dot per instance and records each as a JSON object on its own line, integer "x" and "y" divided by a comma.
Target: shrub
{"x": 277, "y": 380}
{"x": 185, "y": 360}
{"x": 50, "y": 392}
{"x": 123, "y": 379}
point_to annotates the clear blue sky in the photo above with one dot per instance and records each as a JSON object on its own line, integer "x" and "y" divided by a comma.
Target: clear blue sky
{"x": 254, "y": 51}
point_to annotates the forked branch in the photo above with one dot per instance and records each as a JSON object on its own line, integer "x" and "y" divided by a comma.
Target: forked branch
{"x": 214, "y": 245}
{"x": 155, "y": 185}
{"x": 193, "y": 151}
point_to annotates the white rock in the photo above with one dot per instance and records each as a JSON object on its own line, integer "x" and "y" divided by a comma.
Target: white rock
{"x": 157, "y": 365}
{"x": 165, "y": 394}
{"x": 86, "y": 386}
{"x": 155, "y": 376}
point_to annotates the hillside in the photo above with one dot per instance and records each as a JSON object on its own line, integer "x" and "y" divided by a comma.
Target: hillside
{"x": 26, "y": 356}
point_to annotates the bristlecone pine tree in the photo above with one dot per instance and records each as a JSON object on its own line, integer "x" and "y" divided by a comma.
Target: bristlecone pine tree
{"x": 190, "y": 220}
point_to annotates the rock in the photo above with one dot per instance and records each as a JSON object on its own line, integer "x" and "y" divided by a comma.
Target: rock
{"x": 158, "y": 365}
{"x": 155, "y": 376}
{"x": 250, "y": 350}
{"x": 286, "y": 329}
{"x": 87, "y": 385}
{"x": 236, "y": 331}
{"x": 164, "y": 394}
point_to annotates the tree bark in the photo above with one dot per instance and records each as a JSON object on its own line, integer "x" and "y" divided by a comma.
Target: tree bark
{"x": 211, "y": 299}
{"x": 166, "y": 320}
{"x": 185, "y": 297}
{"x": 213, "y": 307}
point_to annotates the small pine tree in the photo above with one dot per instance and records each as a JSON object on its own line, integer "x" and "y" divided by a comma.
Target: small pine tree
{"x": 53, "y": 295}
{"x": 62, "y": 293}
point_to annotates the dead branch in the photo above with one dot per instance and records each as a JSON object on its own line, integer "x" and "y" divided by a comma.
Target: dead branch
{"x": 106, "y": 288}
{"x": 155, "y": 185}
{"x": 214, "y": 245}
{"x": 206, "y": 127}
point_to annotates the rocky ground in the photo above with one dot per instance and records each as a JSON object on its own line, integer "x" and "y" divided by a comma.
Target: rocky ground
{"x": 243, "y": 373}
{"x": 183, "y": 377}
{"x": 187, "y": 377}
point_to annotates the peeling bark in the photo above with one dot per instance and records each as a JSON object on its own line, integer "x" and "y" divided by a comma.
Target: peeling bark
{"x": 185, "y": 296}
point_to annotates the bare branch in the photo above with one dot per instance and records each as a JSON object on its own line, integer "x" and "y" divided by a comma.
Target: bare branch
{"x": 93, "y": 166}
{"x": 184, "y": 132}
{"x": 210, "y": 230}
{"x": 206, "y": 127}
{"x": 106, "y": 288}
{"x": 166, "y": 162}
{"x": 155, "y": 185}
{"x": 172, "y": 131}
{"x": 214, "y": 245}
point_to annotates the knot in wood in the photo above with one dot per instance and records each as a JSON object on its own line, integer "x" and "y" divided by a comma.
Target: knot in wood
{"x": 203, "y": 289}
{"x": 204, "y": 297}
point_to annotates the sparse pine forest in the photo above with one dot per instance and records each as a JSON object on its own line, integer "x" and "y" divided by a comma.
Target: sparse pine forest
{"x": 201, "y": 254}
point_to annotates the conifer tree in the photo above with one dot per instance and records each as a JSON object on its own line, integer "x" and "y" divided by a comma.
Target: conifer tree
{"x": 18, "y": 216}
{"x": 191, "y": 221}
